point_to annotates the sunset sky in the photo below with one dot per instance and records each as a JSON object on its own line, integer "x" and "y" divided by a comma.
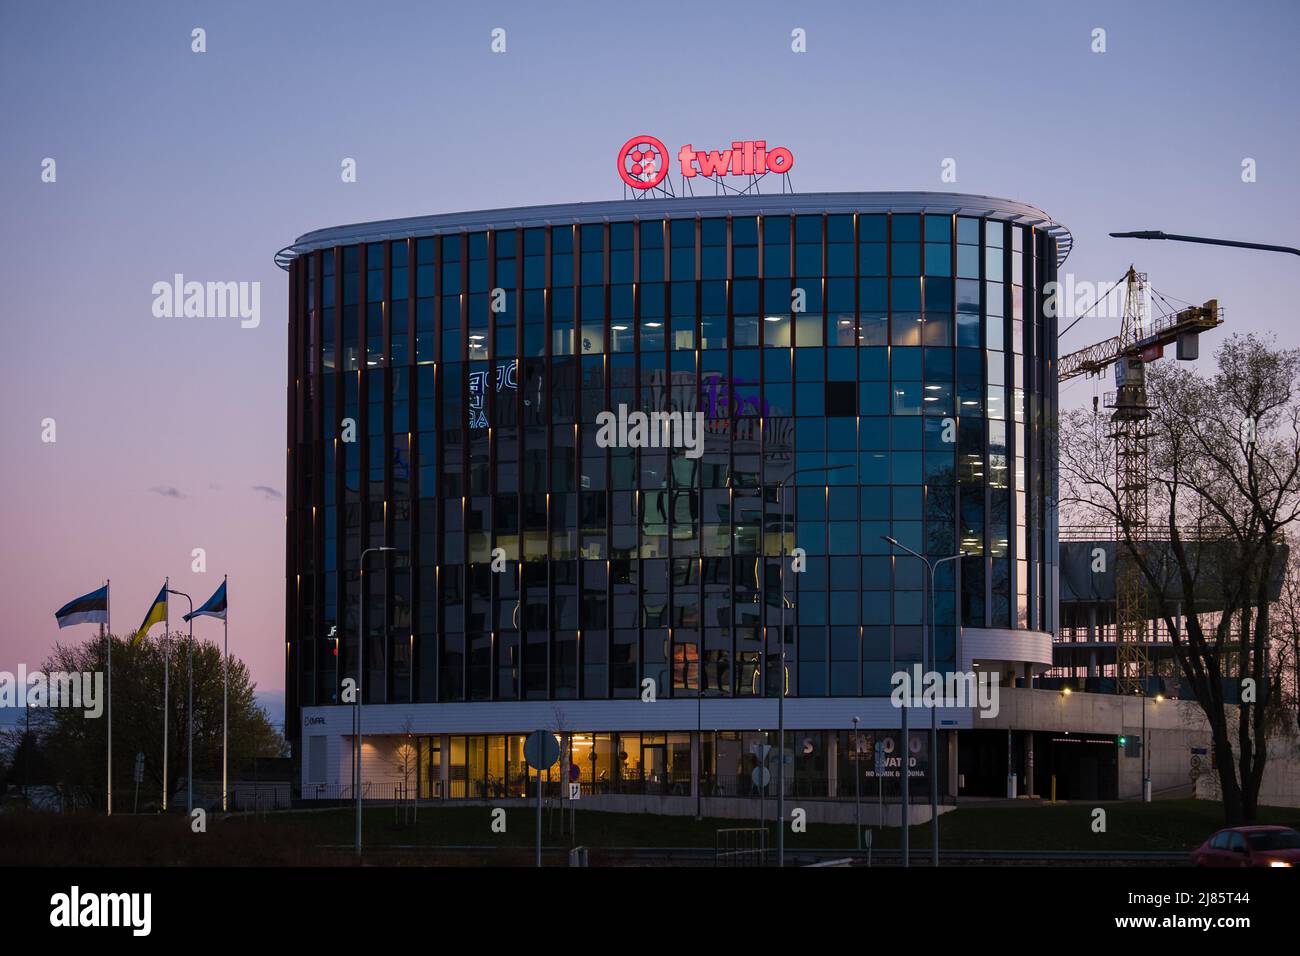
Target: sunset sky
{"x": 171, "y": 431}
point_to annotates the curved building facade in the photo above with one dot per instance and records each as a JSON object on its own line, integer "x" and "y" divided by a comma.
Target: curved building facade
{"x": 591, "y": 431}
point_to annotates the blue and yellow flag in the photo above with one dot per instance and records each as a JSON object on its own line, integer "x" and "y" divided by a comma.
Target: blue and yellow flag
{"x": 156, "y": 614}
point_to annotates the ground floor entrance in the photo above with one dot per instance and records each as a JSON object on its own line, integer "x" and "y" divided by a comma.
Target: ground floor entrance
{"x": 817, "y": 764}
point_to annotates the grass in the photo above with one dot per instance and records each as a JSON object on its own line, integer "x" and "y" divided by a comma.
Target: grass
{"x": 1166, "y": 825}
{"x": 1162, "y": 825}
{"x": 303, "y": 838}
{"x": 88, "y": 839}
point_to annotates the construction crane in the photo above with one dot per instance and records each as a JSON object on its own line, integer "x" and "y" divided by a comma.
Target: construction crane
{"x": 1140, "y": 341}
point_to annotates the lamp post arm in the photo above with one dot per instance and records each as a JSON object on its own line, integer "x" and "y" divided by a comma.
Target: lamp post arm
{"x": 1158, "y": 234}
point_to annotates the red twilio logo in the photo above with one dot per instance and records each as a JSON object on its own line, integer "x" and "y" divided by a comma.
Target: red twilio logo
{"x": 643, "y": 162}
{"x": 745, "y": 158}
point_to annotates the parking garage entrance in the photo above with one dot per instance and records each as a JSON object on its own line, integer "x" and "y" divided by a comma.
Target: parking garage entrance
{"x": 1085, "y": 765}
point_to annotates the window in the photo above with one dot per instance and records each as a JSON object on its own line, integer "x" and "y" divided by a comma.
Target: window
{"x": 809, "y": 341}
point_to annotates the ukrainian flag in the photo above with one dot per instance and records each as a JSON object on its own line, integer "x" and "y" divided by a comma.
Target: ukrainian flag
{"x": 156, "y": 614}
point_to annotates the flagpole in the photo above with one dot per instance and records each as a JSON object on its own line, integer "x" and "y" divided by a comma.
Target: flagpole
{"x": 167, "y": 629}
{"x": 108, "y": 654}
{"x": 189, "y": 745}
{"x": 225, "y": 690}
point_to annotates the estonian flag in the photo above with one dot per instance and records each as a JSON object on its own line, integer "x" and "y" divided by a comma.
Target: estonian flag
{"x": 156, "y": 614}
{"x": 90, "y": 608}
{"x": 215, "y": 606}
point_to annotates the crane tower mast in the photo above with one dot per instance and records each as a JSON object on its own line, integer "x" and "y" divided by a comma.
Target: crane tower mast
{"x": 1129, "y": 416}
{"x": 1141, "y": 340}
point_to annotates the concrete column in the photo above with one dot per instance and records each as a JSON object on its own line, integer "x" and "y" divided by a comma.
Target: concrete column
{"x": 1174, "y": 669}
{"x": 566, "y": 748}
{"x": 444, "y": 764}
{"x": 1090, "y": 637}
{"x": 1028, "y": 788}
{"x": 1011, "y": 765}
{"x": 954, "y": 777}
{"x": 833, "y": 765}
{"x": 696, "y": 752}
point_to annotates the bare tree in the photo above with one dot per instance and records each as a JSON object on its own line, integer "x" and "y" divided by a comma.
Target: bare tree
{"x": 566, "y": 759}
{"x": 1224, "y": 487}
{"x": 1286, "y": 643}
{"x": 404, "y": 756}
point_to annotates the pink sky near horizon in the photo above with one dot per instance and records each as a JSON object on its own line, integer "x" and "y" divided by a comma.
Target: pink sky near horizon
{"x": 206, "y": 164}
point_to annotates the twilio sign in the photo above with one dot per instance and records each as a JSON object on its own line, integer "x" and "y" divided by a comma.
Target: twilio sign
{"x": 643, "y": 161}
{"x": 747, "y": 158}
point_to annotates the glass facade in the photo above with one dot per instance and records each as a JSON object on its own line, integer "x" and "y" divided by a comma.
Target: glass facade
{"x": 444, "y": 390}
{"x": 492, "y": 766}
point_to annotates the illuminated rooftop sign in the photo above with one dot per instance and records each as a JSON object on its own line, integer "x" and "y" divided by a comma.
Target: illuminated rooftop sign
{"x": 643, "y": 161}
{"x": 747, "y": 158}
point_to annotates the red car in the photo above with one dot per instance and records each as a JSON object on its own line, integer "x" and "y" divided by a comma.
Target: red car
{"x": 1250, "y": 846}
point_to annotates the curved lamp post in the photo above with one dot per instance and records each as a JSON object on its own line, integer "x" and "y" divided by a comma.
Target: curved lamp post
{"x": 781, "y": 689}
{"x": 927, "y": 640}
{"x": 356, "y": 708}
{"x": 189, "y": 710}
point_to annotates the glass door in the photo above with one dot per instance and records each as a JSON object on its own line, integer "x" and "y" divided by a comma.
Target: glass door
{"x": 430, "y": 768}
{"x": 654, "y": 758}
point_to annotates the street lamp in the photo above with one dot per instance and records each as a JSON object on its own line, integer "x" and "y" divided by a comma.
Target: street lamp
{"x": 927, "y": 639}
{"x": 189, "y": 747}
{"x": 1205, "y": 240}
{"x": 699, "y": 742}
{"x": 356, "y": 708}
{"x": 857, "y": 783}
{"x": 1157, "y": 234}
{"x": 1146, "y": 745}
{"x": 780, "y": 705}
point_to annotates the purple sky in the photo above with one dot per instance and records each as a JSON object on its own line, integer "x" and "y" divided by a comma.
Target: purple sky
{"x": 204, "y": 164}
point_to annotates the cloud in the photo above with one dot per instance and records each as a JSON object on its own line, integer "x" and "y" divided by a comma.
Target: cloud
{"x": 267, "y": 492}
{"x": 167, "y": 491}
